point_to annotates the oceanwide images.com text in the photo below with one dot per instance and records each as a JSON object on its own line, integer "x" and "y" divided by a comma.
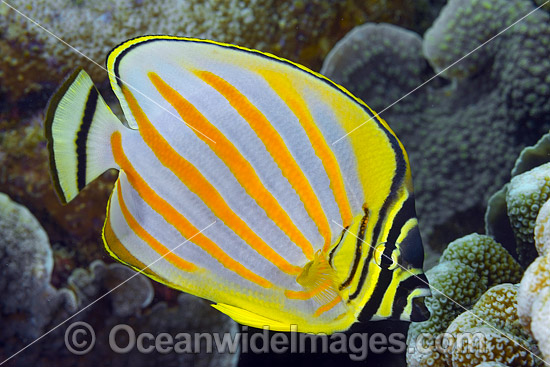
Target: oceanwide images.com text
{"x": 80, "y": 339}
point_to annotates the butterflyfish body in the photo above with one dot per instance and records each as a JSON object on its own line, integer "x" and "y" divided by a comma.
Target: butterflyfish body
{"x": 235, "y": 184}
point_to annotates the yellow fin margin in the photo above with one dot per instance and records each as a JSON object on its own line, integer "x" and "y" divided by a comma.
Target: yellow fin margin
{"x": 250, "y": 318}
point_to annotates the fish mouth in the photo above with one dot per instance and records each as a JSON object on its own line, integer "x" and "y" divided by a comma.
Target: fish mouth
{"x": 420, "y": 311}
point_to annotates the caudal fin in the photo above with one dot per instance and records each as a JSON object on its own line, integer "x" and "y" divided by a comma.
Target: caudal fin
{"x": 78, "y": 127}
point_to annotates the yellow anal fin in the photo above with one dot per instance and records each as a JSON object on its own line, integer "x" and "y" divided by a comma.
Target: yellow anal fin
{"x": 250, "y": 318}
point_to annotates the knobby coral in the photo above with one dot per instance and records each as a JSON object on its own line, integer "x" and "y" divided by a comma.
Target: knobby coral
{"x": 494, "y": 103}
{"x": 534, "y": 296}
{"x": 467, "y": 268}
{"x": 542, "y": 230}
{"x": 128, "y": 300}
{"x": 494, "y": 331}
{"x": 511, "y": 210}
{"x": 104, "y": 296}
{"x": 128, "y": 292}
{"x": 525, "y": 195}
{"x": 26, "y": 261}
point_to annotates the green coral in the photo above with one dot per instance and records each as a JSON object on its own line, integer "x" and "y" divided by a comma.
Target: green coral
{"x": 455, "y": 286}
{"x": 533, "y": 156}
{"x": 501, "y": 339}
{"x": 388, "y": 49}
{"x": 466, "y": 269}
{"x": 497, "y": 221}
{"x": 463, "y": 25}
{"x": 487, "y": 257}
{"x": 546, "y": 5}
{"x": 525, "y": 196}
{"x": 542, "y": 230}
{"x": 494, "y": 105}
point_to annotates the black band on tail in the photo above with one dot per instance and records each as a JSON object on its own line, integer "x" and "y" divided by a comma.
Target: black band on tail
{"x": 82, "y": 137}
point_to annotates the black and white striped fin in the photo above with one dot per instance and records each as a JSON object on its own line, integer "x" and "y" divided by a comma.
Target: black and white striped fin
{"x": 78, "y": 127}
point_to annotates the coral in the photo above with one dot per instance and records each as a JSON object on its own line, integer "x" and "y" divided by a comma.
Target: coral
{"x": 487, "y": 257}
{"x": 536, "y": 278}
{"x": 26, "y": 262}
{"x": 193, "y": 316}
{"x": 128, "y": 305}
{"x": 542, "y": 230}
{"x": 525, "y": 196}
{"x": 104, "y": 296}
{"x": 497, "y": 222}
{"x": 494, "y": 105}
{"x": 454, "y": 286}
{"x": 467, "y": 267}
{"x": 386, "y": 48}
{"x": 534, "y": 290}
{"x": 302, "y": 30}
{"x": 546, "y": 5}
{"x": 539, "y": 322}
{"x": 524, "y": 199}
{"x": 494, "y": 328}
{"x": 462, "y": 26}
{"x": 533, "y": 156}
{"x": 129, "y": 292}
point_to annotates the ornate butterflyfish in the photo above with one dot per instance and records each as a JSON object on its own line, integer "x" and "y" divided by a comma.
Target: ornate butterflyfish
{"x": 243, "y": 179}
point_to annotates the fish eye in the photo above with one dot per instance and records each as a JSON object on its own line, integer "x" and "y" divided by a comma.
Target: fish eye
{"x": 382, "y": 260}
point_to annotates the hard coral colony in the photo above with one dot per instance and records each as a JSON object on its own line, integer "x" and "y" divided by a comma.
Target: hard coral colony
{"x": 462, "y": 132}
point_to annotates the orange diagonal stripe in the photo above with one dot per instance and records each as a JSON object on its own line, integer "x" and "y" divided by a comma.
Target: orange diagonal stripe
{"x": 286, "y": 91}
{"x": 176, "y": 219}
{"x": 328, "y": 306}
{"x": 118, "y": 251}
{"x": 197, "y": 183}
{"x": 142, "y": 233}
{"x": 239, "y": 166}
{"x": 308, "y": 294}
{"x": 276, "y": 147}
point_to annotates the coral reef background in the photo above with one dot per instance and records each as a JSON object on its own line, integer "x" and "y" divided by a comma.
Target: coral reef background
{"x": 463, "y": 132}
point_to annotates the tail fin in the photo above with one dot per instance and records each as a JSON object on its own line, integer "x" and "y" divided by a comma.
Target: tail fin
{"x": 78, "y": 127}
